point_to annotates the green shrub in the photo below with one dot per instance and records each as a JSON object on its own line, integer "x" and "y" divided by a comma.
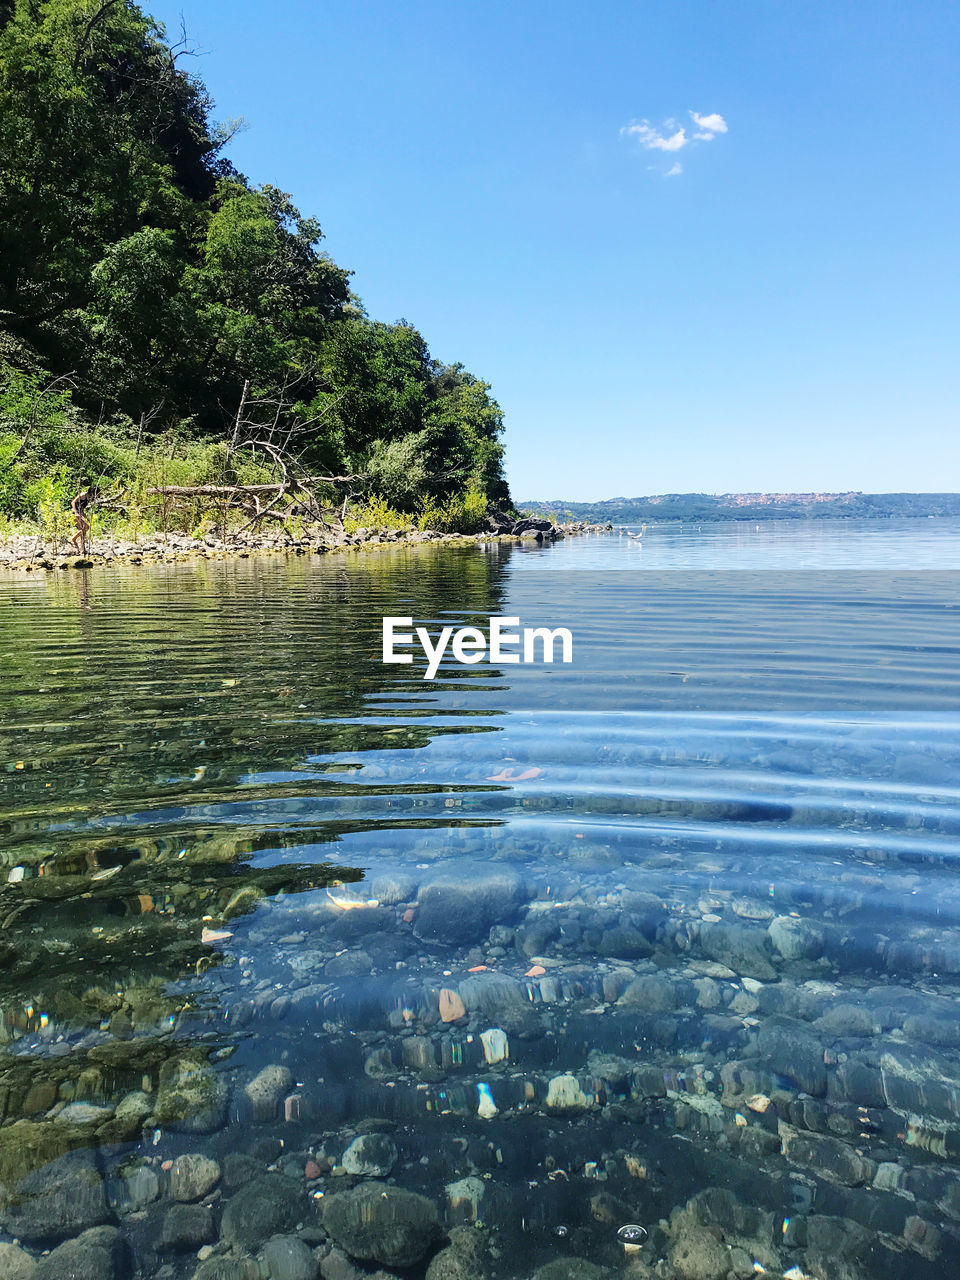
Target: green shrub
{"x": 376, "y": 514}
{"x": 459, "y": 513}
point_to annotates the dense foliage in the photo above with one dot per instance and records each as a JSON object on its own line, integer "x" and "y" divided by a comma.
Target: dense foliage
{"x": 147, "y": 288}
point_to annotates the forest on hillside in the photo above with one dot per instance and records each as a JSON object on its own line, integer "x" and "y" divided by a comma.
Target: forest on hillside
{"x": 751, "y": 506}
{"x": 166, "y": 324}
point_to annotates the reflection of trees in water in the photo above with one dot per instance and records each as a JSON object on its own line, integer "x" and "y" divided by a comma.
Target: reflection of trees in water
{"x": 149, "y": 722}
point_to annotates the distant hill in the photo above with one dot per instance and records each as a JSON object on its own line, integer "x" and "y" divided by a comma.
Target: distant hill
{"x": 750, "y": 506}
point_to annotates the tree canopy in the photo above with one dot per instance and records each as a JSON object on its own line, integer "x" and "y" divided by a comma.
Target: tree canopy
{"x": 162, "y": 286}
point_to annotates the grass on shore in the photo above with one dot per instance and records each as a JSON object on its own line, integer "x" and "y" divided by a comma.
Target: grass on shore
{"x": 41, "y": 471}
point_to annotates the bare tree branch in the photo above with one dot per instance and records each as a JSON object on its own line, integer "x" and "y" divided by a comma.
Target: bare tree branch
{"x": 67, "y": 380}
{"x": 97, "y": 18}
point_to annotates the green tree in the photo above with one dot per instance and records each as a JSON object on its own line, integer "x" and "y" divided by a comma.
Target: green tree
{"x": 134, "y": 258}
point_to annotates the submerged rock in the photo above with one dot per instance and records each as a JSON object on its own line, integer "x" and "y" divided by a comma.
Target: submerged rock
{"x": 83, "y": 1113}
{"x": 464, "y": 1198}
{"x": 743, "y": 949}
{"x": 828, "y": 1157}
{"x": 337, "y": 1266}
{"x": 496, "y": 1047}
{"x": 846, "y": 1020}
{"x": 192, "y": 1176}
{"x": 65, "y": 1197}
{"x": 379, "y": 1223}
{"x": 266, "y": 1206}
{"x": 796, "y": 939}
{"x": 464, "y": 1258}
{"x": 493, "y": 995}
{"x": 133, "y": 1188}
{"x": 192, "y": 1097}
{"x": 288, "y": 1258}
{"x": 94, "y": 1255}
{"x": 372, "y": 1155}
{"x": 791, "y": 1049}
{"x": 265, "y": 1091}
{"x": 697, "y": 1254}
{"x": 16, "y": 1263}
{"x": 564, "y": 1095}
{"x": 132, "y": 1110}
{"x": 187, "y": 1227}
{"x": 459, "y": 905}
{"x": 920, "y": 1080}
{"x": 653, "y": 993}
{"x": 30, "y": 1144}
{"x": 572, "y": 1269}
{"x": 228, "y": 1269}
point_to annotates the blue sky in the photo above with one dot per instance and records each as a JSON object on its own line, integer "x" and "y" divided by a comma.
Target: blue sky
{"x": 779, "y": 315}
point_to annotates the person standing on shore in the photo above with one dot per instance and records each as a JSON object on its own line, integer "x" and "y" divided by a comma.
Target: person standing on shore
{"x": 81, "y": 502}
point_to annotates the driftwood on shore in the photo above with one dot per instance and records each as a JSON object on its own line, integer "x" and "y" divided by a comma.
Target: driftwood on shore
{"x": 240, "y": 490}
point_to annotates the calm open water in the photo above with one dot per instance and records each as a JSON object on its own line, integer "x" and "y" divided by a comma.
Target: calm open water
{"x": 651, "y": 960}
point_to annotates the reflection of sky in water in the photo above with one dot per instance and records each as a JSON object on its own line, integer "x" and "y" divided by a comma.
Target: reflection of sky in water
{"x": 773, "y": 544}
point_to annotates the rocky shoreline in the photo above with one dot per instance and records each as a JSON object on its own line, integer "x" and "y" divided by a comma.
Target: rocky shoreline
{"x": 31, "y": 552}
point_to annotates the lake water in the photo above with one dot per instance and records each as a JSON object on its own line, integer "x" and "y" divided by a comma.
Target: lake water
{"x": 651, "y": 960}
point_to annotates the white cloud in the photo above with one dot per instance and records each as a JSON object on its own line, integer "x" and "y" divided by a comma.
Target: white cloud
{"x": 653, "y": 139}
{"x": 672, "y": 136}
{"x": 711, "y": 124}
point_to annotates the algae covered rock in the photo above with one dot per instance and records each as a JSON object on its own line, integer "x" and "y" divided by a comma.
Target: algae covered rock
{"x": 94, "y": 1255}
{"x": 186, "y": 1227}
{"x": 30, "y": 1144}
{"x": 62, "y": 1199}
{"x": 464, "y": 1258}
{"x": 192, "y": 1097}
{"x": 132, "y": 1110}
{"x": 380, "y": 1223}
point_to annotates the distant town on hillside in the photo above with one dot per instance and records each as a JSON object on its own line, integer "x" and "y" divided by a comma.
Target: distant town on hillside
{"x": 750, "y": 506}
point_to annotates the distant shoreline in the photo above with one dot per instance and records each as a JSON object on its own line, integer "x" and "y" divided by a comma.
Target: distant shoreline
{"x": 701, "y": 508}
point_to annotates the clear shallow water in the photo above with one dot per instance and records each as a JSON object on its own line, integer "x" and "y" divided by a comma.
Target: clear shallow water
{"x": 700, "y": 888}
